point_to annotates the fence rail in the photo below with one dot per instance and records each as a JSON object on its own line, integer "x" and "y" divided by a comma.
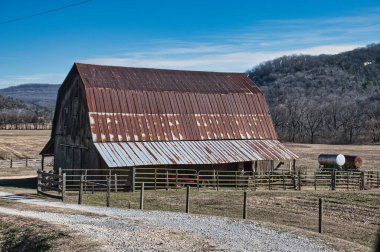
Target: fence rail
{"x": 161, "y": 178}
{"x": 26, "y": 162}
{"x": 25, "y": 126}
{"x": 51, "y": 185}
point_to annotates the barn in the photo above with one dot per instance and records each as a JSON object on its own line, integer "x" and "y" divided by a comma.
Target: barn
{"x": 121, "y": 117}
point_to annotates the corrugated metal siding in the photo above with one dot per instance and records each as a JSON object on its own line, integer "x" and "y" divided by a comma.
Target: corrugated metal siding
{"x": 125, "y": 154}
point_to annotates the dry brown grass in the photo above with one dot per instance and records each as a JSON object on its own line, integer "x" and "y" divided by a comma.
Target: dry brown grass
{"x": 22, "y": 143}
{"x": 27, "y": 234}
{"x": 308, "y": 154}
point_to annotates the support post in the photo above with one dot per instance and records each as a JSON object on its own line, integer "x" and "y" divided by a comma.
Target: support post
{"x": 80, "y": 190}
{"x": 42, "y": 162}
{"x": 333, "y": 180}
{"x": 254, "y": 181}
{"x": 115, "y": 178}
{"x": 155, "y": 179}
{"x": 63, "y": 186}
{"x": 39, "y": 176}
{"x": 133, "y": 179}
{"x": 108, "y": 191}
{"x": 26, "y": 162}
{"x": 217, "y": 180}
{"x": 11, "y": 163}
{"x": 188, "y": 199}
{"x": 245, "y": 206}
{"x": 85, "y": 179}
{"x": 167, "y": 180}
{"x": 236, "y": 181}
{"x": 315, "y": 180}
{"x": 269, "y": 177}
{"x": 283, "y": 181}
{"x": 299, "y": 181}
{"x": 362, "y": 180}
{"x": 142, "y": 196}
{"x": 176, "y": 180}
{"x": 213, "y": 178}
{"x": 198, "y": 180}
{"x": 320, "y": 223}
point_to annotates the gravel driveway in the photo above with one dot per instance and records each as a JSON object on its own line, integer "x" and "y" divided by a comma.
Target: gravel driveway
{"x": 134, "y": 230}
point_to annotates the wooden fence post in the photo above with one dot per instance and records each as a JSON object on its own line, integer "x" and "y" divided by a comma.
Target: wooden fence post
{"x": 362, "y": 180}
{"x": 245, "y": 205}
{"x": 299, "y": 181}
{"x": 80, "y": 190}
{"x": 142, "y": 196}
{"x": 320, "y": 223}
{"x": 63, "y": 186}
{"x": 115, "y": 178}
{"x": 108, "y": 191}
{"x": 269, "y": 176}
{"x": 283, "y": 181}
{"x": 187, "y": 198}
{"x": 254, "y": 181}
{"x": 176, "y": 180}
{"x": 11, "y": 163}
{"x": 213, "y": 179}
{"x": 217, "y": 180}
{"x": 378, "y": 181}
{"x": 167, "y": 180}
{"x": 38, "y": 180}
{"x": 85, "y": 179}
{"x": 198, "y": 180}
{"x": 155, "y": 179}
{"x": 133, "y": 179}
{"x": 333, "y": 180}
{"x": 236, "y": 181}
{"x": 315, "y": 180}
{"x": 26, "y": 162}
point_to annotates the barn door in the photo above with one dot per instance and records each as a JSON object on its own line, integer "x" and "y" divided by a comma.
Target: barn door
{"x": 77, "y": 160}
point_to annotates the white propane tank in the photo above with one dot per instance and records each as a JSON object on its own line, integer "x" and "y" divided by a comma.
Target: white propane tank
{"x": 340, "y": 160}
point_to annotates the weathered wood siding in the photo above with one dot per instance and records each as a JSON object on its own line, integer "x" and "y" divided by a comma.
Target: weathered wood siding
{"x": 74, "y": 148}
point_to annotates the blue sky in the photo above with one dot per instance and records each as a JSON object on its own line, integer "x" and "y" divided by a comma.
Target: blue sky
{"x": 197, "y": 35}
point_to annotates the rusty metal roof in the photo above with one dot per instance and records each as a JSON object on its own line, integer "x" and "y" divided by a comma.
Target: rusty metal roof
{"x": 125, "y": 154}
{"x": 144, "y": 105}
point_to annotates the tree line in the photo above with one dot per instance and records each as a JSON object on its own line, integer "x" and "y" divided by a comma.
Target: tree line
{"x": 326, "y": 98}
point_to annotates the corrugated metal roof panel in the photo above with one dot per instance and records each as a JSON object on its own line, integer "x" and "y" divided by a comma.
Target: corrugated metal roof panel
{"x": 140, "y": 104}
{"x": 124, "y": 154}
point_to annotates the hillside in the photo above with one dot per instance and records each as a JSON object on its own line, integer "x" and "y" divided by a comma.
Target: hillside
{"x": 37, "y": 94}
{"x": 14, "y": 111}
{"x": 326, "y": 98}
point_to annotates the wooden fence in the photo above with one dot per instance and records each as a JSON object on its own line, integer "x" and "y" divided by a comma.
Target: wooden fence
{"x": 26, "y": 162}
{"x": 120, "y": 179}
{"x": 161, "y": 178}
{"x": 51, "y": 185}
{"x": 25, "y": 126}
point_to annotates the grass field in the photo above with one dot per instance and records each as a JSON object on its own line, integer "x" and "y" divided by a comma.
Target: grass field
{"x": 351, "y": 218}
{"x": 22, "y": 143}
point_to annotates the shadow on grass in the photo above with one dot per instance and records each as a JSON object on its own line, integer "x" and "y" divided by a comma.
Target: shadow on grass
{"x": 22, "y": 183}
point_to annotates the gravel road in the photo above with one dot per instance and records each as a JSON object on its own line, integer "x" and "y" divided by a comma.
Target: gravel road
{"x": 134, "y": 230}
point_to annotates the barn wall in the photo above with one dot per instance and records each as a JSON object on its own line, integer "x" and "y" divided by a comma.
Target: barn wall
{"x": 73, "y": 144}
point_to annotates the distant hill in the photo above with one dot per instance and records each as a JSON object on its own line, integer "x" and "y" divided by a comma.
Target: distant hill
{"x": 325, "y": 98}
{"x": 38, "y": 94}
